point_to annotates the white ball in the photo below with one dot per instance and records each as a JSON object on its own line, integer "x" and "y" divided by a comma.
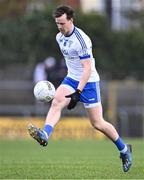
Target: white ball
{"x": 44, "y": 91}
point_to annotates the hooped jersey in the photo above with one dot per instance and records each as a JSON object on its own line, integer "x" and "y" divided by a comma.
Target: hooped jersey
{"x": 75, "y": 48}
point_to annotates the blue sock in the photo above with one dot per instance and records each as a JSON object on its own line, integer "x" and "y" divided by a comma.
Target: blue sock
{"x": 48, "y": 129}
{"x": 120, "y": 144}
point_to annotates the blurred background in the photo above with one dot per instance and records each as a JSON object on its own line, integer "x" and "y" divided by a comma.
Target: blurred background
{"x": 29, "y": 53}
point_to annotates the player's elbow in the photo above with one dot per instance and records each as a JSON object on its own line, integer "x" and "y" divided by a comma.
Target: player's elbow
{"x": 87, "y": 65}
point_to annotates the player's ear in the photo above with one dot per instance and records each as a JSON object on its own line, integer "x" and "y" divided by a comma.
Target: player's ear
{"x": 72, "y": 20}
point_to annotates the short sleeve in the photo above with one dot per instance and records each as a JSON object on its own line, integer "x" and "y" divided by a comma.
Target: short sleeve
{"x": 84, "y": 46}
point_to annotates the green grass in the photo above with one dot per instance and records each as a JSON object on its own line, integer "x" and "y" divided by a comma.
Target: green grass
{"x": 25, "y": 159}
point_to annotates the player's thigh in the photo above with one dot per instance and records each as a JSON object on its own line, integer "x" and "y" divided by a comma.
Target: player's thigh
{"x": 60, "y": 94}
{"x": 95, "y": 114}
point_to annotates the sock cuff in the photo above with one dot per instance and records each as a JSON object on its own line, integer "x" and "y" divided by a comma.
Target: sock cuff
{"x": 48, "y": 129}
{"x": 120, "y": 144}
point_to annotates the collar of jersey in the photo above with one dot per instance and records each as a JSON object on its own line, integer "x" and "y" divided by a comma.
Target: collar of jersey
{"x": 71, "y": 32}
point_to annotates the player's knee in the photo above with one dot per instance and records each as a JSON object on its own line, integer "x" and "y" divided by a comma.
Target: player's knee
{"x": 97, "y": 124}
{"x": 56, "y": 103}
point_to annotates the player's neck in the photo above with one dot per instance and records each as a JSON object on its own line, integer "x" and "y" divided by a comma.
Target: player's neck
{"x": 70, "y": 31}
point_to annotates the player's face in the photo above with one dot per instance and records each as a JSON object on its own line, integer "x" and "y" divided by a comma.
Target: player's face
{"x": 64, "y": 25}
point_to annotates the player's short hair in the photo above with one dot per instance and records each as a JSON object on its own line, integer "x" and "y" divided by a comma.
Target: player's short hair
{"x": 60, "y": 10}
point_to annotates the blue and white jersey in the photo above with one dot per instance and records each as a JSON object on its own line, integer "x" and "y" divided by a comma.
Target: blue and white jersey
{"x": 76, "y": 48}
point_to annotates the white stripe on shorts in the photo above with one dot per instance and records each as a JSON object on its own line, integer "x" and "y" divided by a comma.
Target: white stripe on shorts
{"x": 69, "y": 87}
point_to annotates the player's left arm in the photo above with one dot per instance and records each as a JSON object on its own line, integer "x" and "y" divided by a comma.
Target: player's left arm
{"x": 75, "y": 97}
{"x": 86, "y": 73}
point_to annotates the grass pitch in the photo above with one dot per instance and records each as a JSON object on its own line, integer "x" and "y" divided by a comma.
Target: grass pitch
{"x": 67, "y": 159}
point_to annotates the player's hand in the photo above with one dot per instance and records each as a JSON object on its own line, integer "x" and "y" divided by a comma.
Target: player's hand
{"x": 75, "y": 98}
